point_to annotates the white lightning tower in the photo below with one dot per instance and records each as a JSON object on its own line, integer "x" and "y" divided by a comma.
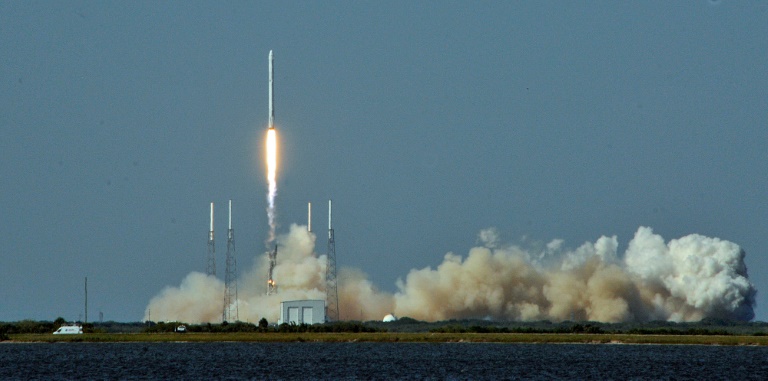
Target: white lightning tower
{"x": 331, "y": 291}
{"x": 231, "y": 307}
{"x": 211, "y": 268}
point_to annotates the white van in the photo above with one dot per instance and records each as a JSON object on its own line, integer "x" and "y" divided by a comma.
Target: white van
{"x": 69, "y": 330}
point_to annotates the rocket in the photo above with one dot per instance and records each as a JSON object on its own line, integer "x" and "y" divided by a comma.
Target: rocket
{"x": 271, "y": 92}
{"x": 210, "y": 233}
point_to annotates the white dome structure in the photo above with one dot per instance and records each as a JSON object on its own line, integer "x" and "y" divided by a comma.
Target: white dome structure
{"x": 389, "y": 318}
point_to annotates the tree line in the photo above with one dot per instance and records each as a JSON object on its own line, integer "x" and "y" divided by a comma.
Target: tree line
{"x": 405, "y": 324}
{"x": 263, "y": 326}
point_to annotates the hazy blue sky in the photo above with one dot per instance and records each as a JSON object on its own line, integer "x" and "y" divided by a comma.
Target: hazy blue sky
{"x": 424, "y": 121}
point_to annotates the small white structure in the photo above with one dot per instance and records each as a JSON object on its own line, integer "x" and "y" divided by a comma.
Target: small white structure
{"x": 302, "y": 312}
{"x": 389, "y": 318}
{"x": 69, "y": 330}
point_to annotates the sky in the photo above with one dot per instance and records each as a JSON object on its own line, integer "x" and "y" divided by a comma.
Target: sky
{"x": 425, "y": 122}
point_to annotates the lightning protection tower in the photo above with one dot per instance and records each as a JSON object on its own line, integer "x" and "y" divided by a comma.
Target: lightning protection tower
{"x": 331, "y": 291}
{"x": 211, "y": 268}
{"x": 231, "y": 307}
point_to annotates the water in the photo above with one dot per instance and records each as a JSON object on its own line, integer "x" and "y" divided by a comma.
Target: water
{"x": 335, "y": 361}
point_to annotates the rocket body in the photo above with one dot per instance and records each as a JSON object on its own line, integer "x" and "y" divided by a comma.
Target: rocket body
{"x": 210, "y": 233}
{"x": 271, "y": 92}
{"x": 271, "y": 150}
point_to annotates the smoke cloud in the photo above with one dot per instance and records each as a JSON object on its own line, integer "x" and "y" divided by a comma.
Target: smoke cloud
{"x": 685, "y": 279}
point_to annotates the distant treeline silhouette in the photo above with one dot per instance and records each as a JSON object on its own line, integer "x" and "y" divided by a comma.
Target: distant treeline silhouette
{"x": 405, "y": 324}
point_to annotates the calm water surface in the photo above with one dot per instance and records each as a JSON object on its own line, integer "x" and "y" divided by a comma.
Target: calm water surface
{"x": 334, "y": 361}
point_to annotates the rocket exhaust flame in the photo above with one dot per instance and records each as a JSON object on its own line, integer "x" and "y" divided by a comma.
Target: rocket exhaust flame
{"x": 272, "y": 179}
{"x": 271, "y": 156}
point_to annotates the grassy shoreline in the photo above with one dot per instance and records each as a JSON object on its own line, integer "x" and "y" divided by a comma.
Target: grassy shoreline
{"x": 541, "y": 338}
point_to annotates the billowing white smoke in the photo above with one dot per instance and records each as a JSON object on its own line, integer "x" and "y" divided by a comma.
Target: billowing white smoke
{"x": 685, "y": 280}
{"x": 299, "y": 275}
{"x": 692, "y": 277}
{"x": 195, "y": 297}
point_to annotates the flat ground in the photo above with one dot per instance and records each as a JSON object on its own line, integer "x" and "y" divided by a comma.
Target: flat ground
{"x": 398, "y": 337}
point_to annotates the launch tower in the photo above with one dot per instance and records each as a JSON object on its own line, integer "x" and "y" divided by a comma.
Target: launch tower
{"x": 331, "y": 291}
{"x": 211, "y": 268}
{"x": 231, "y": 308}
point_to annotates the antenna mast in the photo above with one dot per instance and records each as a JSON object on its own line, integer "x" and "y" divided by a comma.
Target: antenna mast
{"x": 331, "y": 291}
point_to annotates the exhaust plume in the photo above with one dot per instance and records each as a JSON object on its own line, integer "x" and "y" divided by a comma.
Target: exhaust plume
{"x": 686, "y": 279}
{"x": 272, "y": 179}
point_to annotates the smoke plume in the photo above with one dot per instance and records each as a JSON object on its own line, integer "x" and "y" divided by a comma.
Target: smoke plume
{"x": 686, "y": 279}
{"x": 272, "y": 180}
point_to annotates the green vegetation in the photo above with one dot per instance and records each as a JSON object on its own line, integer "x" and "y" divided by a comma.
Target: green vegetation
{"x": 339, "y": 326}
{"x": 31, "y": 326}
{"x": 405, "y": 330}
{"x": 170, "y": 327}
{"x": 264, "y": 327}
{"x": 704, "y": 327}
{"x": 343, "y": 337}
{"x": 575, "y": 328}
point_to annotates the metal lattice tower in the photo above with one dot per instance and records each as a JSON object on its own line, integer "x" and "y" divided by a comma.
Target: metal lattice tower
{"x": 331, "y": 291}
{"x": 211, "y": 268}
{"x": 231, "y": 303}
{"x": 271, "y": 285}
